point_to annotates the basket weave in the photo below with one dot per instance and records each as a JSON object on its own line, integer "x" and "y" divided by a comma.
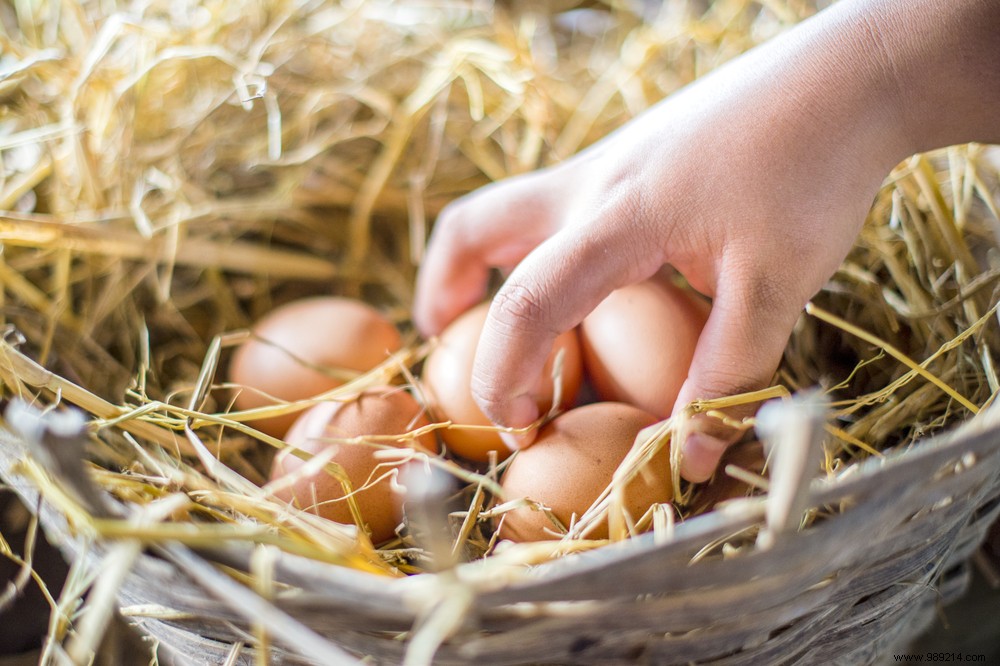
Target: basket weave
{"x": 846, "y": 590}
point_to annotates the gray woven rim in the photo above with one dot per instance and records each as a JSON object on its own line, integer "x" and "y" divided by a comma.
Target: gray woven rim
{"x": 845, "y": 590}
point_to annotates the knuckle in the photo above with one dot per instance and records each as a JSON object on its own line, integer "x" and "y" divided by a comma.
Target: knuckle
{"x": 763, "y": 292}
{"x": 621, "y": 204}
{"x": 449, "y": 221}
{"x": 623, "y": 248}
{"x": 630, "y": 221}
{"x": 723, "y": 381}
{"x": 763, "y": 285}
{"x": 520, "y": 306}
{"x": 487, "y": 393}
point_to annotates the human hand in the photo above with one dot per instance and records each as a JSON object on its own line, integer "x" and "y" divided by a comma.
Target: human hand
{"x": 752, "y": 182}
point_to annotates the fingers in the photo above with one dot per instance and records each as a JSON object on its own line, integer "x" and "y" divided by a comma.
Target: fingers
{"x": 739, "y": 350}
{"x": 495, "y": 226}
{"x": 551, "y": 291}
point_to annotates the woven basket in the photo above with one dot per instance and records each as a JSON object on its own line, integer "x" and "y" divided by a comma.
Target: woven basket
{"x": 849, "y": 589}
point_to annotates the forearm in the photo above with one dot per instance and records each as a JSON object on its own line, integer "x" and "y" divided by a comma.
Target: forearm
{"x": 946, "y": 58}
{"x": 866, "y": 83}
{"x": 929, "y": 69}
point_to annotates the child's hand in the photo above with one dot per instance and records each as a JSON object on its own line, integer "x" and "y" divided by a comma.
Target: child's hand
{"x": 752, "y": 182}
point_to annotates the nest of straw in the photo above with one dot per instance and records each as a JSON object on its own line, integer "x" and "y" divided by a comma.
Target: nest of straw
{"x": 171, "y": 172}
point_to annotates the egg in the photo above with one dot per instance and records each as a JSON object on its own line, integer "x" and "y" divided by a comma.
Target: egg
{"x": 299, "y": 348}
{"x": 447, "y": 378}
{"x": 638, "y": 343}
{"x": 571, "y": 463}
{"x": 382, "y": 411}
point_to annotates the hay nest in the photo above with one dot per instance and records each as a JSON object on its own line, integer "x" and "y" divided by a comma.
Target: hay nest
{"x": 172, "y": 172}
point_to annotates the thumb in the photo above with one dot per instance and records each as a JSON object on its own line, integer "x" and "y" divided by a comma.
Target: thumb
{"x": 738, "y": 351}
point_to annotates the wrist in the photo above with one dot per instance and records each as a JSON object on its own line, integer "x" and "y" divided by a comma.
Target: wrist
{"x": 889, "y": 78}
{"x": 941, "y": 62}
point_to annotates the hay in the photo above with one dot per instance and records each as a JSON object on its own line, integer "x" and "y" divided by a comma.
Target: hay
{"x": 170, "y": 174}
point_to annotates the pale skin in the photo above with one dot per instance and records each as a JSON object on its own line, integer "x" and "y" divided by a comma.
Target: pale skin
{"x": 752, "y": 182}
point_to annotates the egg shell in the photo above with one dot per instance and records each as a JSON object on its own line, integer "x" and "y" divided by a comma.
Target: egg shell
{"x": 447, "y": 378}
{"x": 322, "y": 332}
{"x": 571, "y": 463}
{"x": 637, "y": 345}
{"x": 381, "y": 411}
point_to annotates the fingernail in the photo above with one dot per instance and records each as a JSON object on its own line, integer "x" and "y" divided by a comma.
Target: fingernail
{"x": 510, "y": 440}
{"x": 517, "y": 441}
{"x": 700, "y": 456}
{"x": 523, "y": 412}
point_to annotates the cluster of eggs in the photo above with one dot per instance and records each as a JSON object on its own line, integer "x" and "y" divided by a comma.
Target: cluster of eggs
{"x": 634, "y": 350}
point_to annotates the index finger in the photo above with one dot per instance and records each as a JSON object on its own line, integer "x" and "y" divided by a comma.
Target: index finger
{"x": 550, "y": 292}
{"x": 494, "y": 227}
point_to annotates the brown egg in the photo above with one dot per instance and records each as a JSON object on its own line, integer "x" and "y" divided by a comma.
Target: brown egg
{"x": 381, "y": 411}
{"x": 307, "y": 342}
{"x": 447, "y": 379}
{"x": 638, "y": 343}
{"x": 571, "y": 463}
